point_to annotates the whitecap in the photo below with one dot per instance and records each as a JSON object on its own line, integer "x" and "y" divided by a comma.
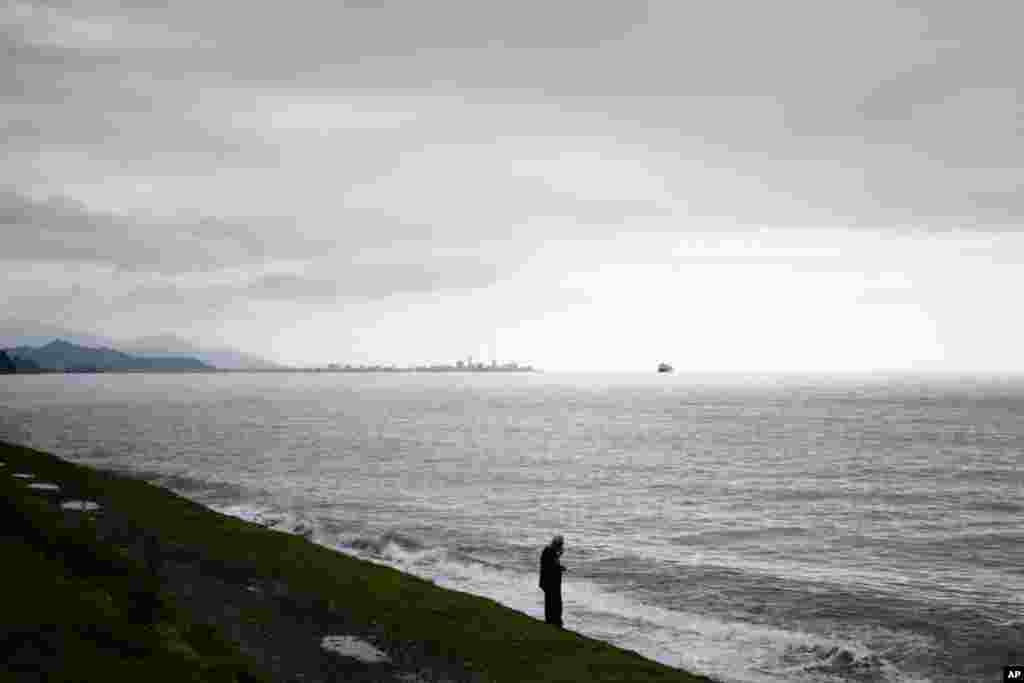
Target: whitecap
{"x": 272, "y": 519}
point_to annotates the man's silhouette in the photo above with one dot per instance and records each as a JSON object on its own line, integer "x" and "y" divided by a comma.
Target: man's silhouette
{"x": 551, "y": 580}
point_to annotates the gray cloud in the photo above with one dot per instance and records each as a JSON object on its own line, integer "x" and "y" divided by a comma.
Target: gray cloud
{"x": 209, "y": 266}
{"x": 59, "y": 229}
{"x": 171, "y": 300}
{"x": 368, "y": 281}
{"x": 742, "y": 86}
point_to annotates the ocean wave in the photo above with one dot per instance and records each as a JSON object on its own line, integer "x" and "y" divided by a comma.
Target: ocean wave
{"x": 288, "y": 522}
{"x": 844, "y": 664}
{"x": 211, "y": 492}
{"x": 718, "y": 537}
{"x": 416, "y": 555}
{"x": 394, "y": 542}
{"x": 731, "y": 649}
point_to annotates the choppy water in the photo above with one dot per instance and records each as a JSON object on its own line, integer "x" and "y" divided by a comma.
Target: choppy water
{"x": 757, "y": 530}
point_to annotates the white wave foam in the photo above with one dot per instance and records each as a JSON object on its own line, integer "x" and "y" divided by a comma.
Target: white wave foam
{"x": 249, "y": 513}
{"x": 272, "y": 519}
{"x": 731, "y": 651}
{"x": 728, "y": 650}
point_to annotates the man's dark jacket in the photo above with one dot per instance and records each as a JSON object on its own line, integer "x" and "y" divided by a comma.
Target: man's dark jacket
{"x": 550, "y": 571}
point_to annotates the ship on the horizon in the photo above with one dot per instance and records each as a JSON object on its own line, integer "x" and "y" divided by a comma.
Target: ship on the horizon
{"x": 665, "y": 367}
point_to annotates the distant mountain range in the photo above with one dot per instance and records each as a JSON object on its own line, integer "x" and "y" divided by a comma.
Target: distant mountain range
{"x": 165, "y": 346}
{"x": 17, "y": 333}
{"x": 63, "y": 356}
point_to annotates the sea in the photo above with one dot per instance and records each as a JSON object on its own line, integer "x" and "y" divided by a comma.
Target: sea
{"x": 751, "y": 528}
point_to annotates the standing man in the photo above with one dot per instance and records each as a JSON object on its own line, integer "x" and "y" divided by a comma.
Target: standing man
{"x": 551, "y": 580}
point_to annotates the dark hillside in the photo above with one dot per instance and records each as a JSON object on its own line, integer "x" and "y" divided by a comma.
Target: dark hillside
{"x": 65, "y": 356}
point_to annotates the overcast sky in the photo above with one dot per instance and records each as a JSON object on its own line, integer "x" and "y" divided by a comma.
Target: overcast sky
{"x": 768, "y": 186}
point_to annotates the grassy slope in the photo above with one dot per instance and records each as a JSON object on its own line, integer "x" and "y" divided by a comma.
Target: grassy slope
{"x": 96, "y": 586}
{"x": 75, "y": 609}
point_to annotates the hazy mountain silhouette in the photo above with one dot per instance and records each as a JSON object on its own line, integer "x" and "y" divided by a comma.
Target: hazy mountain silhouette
{"x": 65, "y": 356}
{"x": 168, "y": 345}
{"x": 20, "y": 333}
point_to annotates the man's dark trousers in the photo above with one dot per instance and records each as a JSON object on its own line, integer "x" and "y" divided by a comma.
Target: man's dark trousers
{"x": 553, "y": 606}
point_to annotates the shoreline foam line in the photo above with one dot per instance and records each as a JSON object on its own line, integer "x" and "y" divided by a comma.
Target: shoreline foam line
{"x": 420, "y": 625}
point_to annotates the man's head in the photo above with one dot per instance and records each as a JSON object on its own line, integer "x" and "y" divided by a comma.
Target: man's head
{"x": 558, "y": 543}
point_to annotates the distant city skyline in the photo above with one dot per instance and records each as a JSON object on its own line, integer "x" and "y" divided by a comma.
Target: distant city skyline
{"x": 735, "y": 186}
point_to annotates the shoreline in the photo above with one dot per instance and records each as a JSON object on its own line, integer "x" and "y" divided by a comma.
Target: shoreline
{"x": 281, "y": 607}
{"x": 286, "y": 371}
